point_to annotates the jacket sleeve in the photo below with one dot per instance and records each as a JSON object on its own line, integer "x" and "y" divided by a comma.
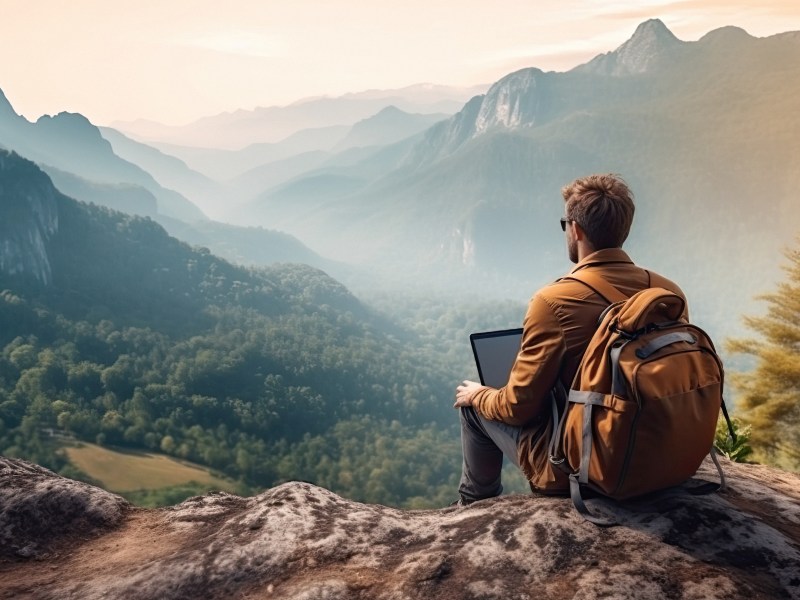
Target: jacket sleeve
{"x": 525, "y": 396}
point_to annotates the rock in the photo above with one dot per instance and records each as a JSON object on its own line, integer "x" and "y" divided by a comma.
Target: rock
{"x": 28, "y": 218}
{"x": 298, "y": 541}
{"x": 38, "y": 509}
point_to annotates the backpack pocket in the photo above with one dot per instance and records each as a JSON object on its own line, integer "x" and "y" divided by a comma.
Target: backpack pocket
{"x": 676, "y": 429}
{"x": 599, "y": 430}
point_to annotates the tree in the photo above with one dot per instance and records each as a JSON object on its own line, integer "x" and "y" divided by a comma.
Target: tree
{"x": 770, "y": 392}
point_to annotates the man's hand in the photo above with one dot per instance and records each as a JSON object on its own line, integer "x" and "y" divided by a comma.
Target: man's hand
{"x": 466, "y": 392}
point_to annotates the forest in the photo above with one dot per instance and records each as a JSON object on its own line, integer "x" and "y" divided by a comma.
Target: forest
{"x": 265, "y": 375}
{"x": 315, "y": 397}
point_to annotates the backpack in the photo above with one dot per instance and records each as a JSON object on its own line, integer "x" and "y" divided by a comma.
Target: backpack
{"x": 643, "y": 408}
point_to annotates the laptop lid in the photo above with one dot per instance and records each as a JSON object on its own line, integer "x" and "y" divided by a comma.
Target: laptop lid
{"x": 495, "y": 353}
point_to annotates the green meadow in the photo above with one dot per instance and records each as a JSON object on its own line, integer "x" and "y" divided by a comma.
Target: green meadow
{"x": 128, "y": 471}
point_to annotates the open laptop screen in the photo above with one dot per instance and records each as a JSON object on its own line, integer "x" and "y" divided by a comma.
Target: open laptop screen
{"x": 495, "y": 353}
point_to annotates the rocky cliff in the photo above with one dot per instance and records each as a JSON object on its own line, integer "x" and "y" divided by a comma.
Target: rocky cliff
{"x": 63, "y": 539}
{"x": 28, "y": 218}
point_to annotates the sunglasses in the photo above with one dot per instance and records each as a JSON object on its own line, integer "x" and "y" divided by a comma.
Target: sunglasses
{"x": 564, "y": 221}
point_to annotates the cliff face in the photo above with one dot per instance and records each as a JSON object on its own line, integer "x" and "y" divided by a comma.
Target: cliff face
{"x": 28, "y": 218}
{"x": 62, "y": 539}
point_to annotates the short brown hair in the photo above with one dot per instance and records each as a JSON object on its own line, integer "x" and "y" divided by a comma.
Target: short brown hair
{"x": 603, "y": 206}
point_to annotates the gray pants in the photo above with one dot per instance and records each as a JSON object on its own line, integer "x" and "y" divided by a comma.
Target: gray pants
{"x": 483, "y": 445}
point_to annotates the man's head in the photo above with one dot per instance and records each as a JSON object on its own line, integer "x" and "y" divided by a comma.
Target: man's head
{"x": 602, "y": 206}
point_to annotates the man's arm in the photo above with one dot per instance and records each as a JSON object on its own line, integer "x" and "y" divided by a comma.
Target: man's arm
{"x": 533, "y": 375}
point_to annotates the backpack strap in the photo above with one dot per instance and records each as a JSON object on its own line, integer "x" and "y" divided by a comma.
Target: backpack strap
{"x": 728, "y": 421}
{"x": 580, "y": 505}
{"x": 598, "y": 285}
{"x": 612, "y": 295}
{"x": 576, "y": 480}
{"x": 558, "y": 408}
{"x": 652, "y": 503}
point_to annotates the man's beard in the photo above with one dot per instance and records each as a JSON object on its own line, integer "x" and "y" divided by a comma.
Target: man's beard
{"x": 572, "y": 250}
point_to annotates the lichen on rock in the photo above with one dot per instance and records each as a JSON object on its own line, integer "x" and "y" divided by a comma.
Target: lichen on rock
{"x": 299, "y": 541}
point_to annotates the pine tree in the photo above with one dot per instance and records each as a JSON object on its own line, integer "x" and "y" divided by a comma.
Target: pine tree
{"x": 770, "y": 392}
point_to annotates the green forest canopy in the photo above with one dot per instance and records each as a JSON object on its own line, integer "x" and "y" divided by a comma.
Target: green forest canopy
{"x": 263, "y": 374}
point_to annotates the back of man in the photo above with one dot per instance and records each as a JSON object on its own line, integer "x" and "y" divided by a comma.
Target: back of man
{"x": 559, "y": 323}
{"x": 577, "y": 308}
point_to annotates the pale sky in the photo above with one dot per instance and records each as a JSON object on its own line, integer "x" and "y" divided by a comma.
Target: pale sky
{"x": 174, "y": 61}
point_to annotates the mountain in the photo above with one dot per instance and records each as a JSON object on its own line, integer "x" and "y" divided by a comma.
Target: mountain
{"x": 81, "y": 253}
{"x": 243, "y": 245}
{"x": 271, "y": 174}
{"x": 124, "y": 197}
{"x": 249, "y": 246}
{"x": 30, "y": 219}
{"x": 386, "y": 127}
{"x": 369, "y": 148}
{"x": 232, "y": 177}
{"x": 70, "y": 143}
{"x": 169, "y": 171}
{"x": 268, "y": 125}
{"x": 96, "y": 257}
{"x": 704, "y": 132}
{"x": 652, "y": 46}
{"x": 226, "y": 165}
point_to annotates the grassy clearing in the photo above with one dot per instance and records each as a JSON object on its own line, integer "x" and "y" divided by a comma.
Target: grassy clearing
{"x": 126, "y": 471}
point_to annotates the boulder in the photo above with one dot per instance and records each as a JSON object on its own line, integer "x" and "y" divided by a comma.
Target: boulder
{"x": 64, "y": 539}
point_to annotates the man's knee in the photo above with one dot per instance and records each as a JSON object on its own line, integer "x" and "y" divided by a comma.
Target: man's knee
{"x": 469, "y": 418}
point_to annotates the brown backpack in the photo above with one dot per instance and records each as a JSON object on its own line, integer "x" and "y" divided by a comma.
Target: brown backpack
{"x": 644, "y": 404}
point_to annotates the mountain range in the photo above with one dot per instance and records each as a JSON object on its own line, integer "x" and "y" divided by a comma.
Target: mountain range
{"x": 208, "y": 175}
{"x": 241, "y": 128}
{"x": 706, "y": 133}
{"x": 140, "y": 180}
{"x": 70, "y": 143}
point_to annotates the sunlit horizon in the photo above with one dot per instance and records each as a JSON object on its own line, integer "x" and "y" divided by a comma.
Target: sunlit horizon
{"x": 175, "y": 63}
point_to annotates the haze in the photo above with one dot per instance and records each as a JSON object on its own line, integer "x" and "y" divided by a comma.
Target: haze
{"x": 178, "y": 61}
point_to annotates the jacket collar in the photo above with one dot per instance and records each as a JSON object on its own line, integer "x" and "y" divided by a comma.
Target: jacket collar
{"x": 603, "y": 257}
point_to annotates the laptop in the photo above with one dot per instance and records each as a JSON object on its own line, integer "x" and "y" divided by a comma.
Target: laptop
{"x": 495, "y": 353}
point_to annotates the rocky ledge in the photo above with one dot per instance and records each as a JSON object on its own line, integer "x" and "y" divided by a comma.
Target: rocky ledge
{"x": 64, "y": 539}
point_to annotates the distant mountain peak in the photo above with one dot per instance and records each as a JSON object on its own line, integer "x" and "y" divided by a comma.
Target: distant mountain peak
{"x": 726, "y": 34}
{"x": 390, "y": 110}
{"x": 389, "y": 125}
{"x": 651, "y": 42}
{"x": 75, "y": 119}
{"x": 74, "y": 127}
{"x": 652, "y": 29}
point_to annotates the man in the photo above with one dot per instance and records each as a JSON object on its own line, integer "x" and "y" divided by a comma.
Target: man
{"x": 516, "y": 420}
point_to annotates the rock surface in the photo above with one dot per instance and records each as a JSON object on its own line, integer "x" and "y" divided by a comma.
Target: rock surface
{"x": 28, "y": 217}
{"x": 63, "y": 539}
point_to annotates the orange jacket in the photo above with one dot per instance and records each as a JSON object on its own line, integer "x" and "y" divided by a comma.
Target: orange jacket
{"x": 560, "y": 321}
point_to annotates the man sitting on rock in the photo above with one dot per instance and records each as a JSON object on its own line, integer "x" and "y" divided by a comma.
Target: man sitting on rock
{"x": 516, "y": 420}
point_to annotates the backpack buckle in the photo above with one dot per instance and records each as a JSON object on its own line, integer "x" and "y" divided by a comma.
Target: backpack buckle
{"x": 621, "y": 332}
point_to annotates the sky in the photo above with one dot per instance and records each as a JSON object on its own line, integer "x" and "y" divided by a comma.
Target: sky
{"x": 174, "y": 61}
